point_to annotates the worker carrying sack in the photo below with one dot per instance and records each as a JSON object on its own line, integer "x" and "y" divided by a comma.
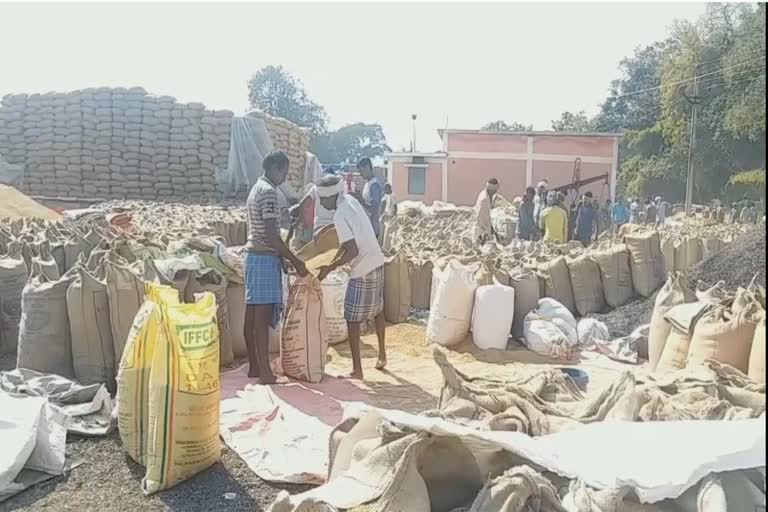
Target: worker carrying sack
{"x": 303, "y": 347}
{"x": 451, "y": 315}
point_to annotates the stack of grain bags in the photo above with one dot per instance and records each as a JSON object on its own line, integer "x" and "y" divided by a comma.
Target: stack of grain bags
{"x": 114, "y": 142}
{"x": 689, "y": 327}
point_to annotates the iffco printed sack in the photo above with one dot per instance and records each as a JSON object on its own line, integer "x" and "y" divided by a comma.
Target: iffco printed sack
{"x": 168, "y": 388}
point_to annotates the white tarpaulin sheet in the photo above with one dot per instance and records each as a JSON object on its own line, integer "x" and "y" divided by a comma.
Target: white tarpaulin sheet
{"x": 249, "y": 143}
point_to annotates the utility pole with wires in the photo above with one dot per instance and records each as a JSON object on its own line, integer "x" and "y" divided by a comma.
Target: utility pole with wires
{"x": 695, "y": 100}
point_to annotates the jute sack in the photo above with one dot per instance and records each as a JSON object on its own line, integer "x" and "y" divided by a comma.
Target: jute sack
{"x": 178, "y": 280}
{"x": 674, "y": 292}
{"x": 668, "y": 255}
{"x": 125, "y": 291}
{"x": 646, "y": 261}
{"x": 687, "y": 253}
{"x": 48, "y": 266}
{"x": 682, "y": 320}
{"x": 211, "y": 280}
{"x": 93, "y": 351}
{"x": 526, "y": 286}
{"x": 615, "y": 274}
{"x": 13, "y": 278}
{"x": 709, "y": 246}
{"x": 236, "y": 311}
{"x": 324, "y": 242}
{"x": 303, "y": 345}
{"x": 587, "y": 285}
{"x": 420, "y": 275}
{"x": 44, "y": 339}
{"x": 757, "y": 353}
{"x": 725, "y": 335}
{"x": 184, "y": 394}
{"x": 557, "y": 282}
{"x": 397, "y": 289}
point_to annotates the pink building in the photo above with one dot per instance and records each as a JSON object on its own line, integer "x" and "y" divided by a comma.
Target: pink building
{"x": 517, "y": 159}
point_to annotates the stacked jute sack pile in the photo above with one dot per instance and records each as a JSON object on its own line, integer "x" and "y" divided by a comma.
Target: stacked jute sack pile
{"x": 294, "y": 141}
{"x": 689, "y": 327}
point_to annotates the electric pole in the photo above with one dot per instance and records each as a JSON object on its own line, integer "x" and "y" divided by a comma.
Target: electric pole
{"x": 413, "y": 118}
{"x": 694, "y": 100}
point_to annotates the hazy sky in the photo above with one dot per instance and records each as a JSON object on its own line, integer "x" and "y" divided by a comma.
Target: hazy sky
{"x": 464, "y": 64}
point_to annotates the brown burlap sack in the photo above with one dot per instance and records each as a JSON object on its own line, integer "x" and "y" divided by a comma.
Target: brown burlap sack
{"x": 646, "y": 261}
{"x": 211, "y": 280}
{"x": 527, "y": 296}
{"x": 587, "y": 285}
{"x": 674, "y": 292}
{"x": 757, "y": 353}
{"x": 557, "y": 282}
{"x": 125, "y": 291}
{"x": 420, "y": 275}
{"x": 668, "y": 255}
{"x": 13, "y": 277}
{"x": 615, "y": 274}
{"x": 397, "y": 289}
{"x": 725, "y": 335}
{"x": 93, "y": 351}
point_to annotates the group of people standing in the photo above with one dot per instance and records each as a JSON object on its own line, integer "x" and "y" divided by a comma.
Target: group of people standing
{"x": 357, "y": 219}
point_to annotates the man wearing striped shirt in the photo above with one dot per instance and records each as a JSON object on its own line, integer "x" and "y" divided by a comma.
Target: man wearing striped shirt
{"x": 263, "y": 265}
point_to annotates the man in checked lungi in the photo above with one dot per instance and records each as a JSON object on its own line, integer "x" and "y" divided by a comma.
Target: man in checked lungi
{"x": 360, "y": 249}
{"x": 266, "y": 253}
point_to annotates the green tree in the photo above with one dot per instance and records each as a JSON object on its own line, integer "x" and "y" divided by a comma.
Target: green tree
{"x": 502, "y": 126}
{"x": 350, "y": 143}
{"x": 275, "y": 91}
{"x": 570, "y": 122}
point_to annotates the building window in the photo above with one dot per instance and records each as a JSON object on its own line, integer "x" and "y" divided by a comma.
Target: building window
{"x": 417, "y": 180}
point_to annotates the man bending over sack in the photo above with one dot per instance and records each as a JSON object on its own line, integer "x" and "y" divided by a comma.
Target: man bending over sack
{"x": 264, "y": 265}
{"x": 360, "y": 249}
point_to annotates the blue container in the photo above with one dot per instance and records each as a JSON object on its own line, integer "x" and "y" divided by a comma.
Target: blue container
{"x": 580, "y": 377}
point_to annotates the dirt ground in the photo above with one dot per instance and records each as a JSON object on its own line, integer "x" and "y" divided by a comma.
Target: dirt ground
{"x": 108, "y": 480}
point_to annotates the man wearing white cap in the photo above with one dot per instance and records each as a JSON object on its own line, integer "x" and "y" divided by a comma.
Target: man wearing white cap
{"x": 360, "y": 249}
{"x": 540, "y": 201}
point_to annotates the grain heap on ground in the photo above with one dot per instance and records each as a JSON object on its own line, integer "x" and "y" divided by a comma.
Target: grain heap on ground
{"x": 15, "y": 205}
{"x": 126, "y": 143}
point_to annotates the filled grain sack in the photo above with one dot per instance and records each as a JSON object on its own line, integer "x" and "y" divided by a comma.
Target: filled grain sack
{"x": 709, "y": 246}
{"x": 325, "y": 241}
{"x": 646, "y": 261}
{"x": 420, "y": 275}
{"x": 492, "y": 316}
{"x": 74, "y": 247}
{"x": 450, "y": 317}
{"x": 526, "y": 286}
{"x": 173, "y": 276}
{"x": 304, "y": 341}
{"x": 236, "y": 310}
{"x": 682, "y": 321}
{"x": 44, "y": 259}
{"x": 615, "y": 274}
{"x": 591, "y": 331}
{"x": 13, "y": 278}
{"x": 93, "y": 351}
{"x": 438, "y": 266}
{"x": 725, "y": 334}
{"x": 211, "y": 280}
{"x": 558, "y": 314}
{"x": 397, "y": 289}
{"x": 557, "y": 282}
{"x": 334, "y": 288}
{"x": 44, "y": 338}
{"x": 757, "y": 352}
{"x": 125, "y": 291}
{"x": 668, "y": 255}
{"x": 674, "y": 292}
{"x": 687, "y": 253}
{"x": 587, "y": 285}
{"x": 542, "y": 336}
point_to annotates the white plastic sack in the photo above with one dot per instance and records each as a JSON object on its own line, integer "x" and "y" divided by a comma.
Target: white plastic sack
{"x": 544, "y": 337}
{"x": 559, "y": 315}
{"x": 591, "y": 331}
{"x": 451, "y": 314}
{"x": 334, "y": 289}
{"x": 492, "y": 316}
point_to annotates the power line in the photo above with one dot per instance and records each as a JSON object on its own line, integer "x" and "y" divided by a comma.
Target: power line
{"x": 679, "y": 82}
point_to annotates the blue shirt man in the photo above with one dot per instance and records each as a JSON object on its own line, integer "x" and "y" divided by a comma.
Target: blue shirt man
{"x": 373, "y": 194}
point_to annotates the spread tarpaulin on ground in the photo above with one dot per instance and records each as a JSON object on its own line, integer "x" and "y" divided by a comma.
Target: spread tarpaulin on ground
{"x": 492, "y": 427}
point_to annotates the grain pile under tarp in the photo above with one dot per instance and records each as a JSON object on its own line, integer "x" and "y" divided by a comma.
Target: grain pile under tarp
{"x": 421, "y": 464}
{"x": 15, "y": 205}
